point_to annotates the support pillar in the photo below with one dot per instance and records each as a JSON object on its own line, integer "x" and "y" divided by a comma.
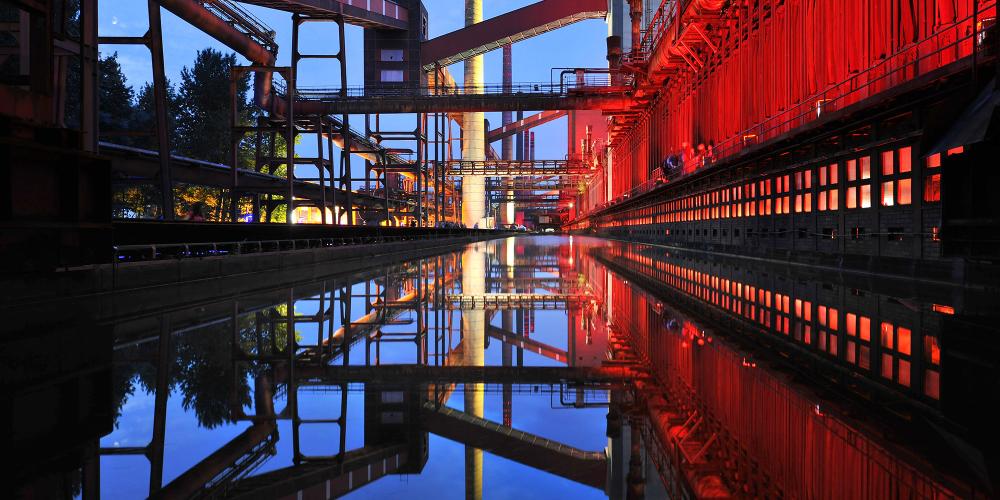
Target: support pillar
{"x": 473, "y": 141}
{"x": 474, "y": 340}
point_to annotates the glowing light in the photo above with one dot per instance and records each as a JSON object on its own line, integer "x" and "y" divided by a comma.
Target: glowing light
{"x": 943, "y": 309}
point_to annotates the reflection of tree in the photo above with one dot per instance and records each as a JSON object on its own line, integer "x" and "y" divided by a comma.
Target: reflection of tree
{"x": 202, "y": 367}
{"x": 203, "y": 374}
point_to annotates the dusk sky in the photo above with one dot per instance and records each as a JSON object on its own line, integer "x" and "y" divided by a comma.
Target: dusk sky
{"x": 579, "y": 45}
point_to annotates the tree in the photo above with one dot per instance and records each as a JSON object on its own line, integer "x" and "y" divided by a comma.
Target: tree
{"x": 145, "y": 116}
{"x": 203, "y": 121}
{"x": 116, "y": 106}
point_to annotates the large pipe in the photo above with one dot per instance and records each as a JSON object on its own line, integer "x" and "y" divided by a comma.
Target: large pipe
{"x": 198, "y": 16}
{"x": 473, "y": 137}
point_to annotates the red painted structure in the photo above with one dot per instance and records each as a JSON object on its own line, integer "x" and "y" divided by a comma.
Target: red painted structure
{"x": 759, "y": 69}
{"x": 772, "y": 436}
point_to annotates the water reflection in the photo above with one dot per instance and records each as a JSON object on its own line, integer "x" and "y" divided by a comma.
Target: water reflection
{"x": 585, "y": 368}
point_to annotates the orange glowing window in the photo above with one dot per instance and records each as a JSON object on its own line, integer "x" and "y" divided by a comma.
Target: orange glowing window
{"x": 887, "y": 366}
{"x": 798, "y": 308}
{"x": 852, "y": 170}
{"x": 821, "y": 312}
{"x": 943, "y": 309}
{"x": 851, "y": 324}
{"x": 864, "y": 361}
{"x": 932, "y": 188}
{"x": 851, "y": 354}
{"x": 808, "y": 310}
{"x": 904, "y": 160}
{"x": 932, "y": 384}
{"x": 822, "y": 175}
{"x": 903, "y": 372}
{"x": 903, "y": 340}
{"x": 834, "y": 319}
{"x": 886, "y": 335}
{"x": 833, "y": 202}
{"x": 852, "y": 197}
{"x": 866, "y": 167}
{"x": 888, "y": 199}
{"x": 866, "y": 196}
{"x": 932, "y": 351}
{"x": 807, "y": 202}
{"x": 833, "y": 173}
{"x": 904, "y": 191}
{"x": 798, "y": 203}
{"x": 822, "y": 202}
{"x": 956, "y": 151}
{"x": 934, "y": 160}
{"x": 888, "y": 167}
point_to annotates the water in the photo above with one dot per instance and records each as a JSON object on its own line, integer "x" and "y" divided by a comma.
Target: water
{"x": 529, "y": 367}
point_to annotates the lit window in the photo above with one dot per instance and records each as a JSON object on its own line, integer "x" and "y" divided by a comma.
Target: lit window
{"x": 903, "y": 340}
{"x": 392, "y": 75}
{"x": 932, "y": 384}
{"x": 932, "y": 188}
{"x": 887, "y": 195}
{"x": 391, "y": 55}
{"x": 851, "y": 324}
{"x": 852, "y": 197}
{"x": 904, "y": 160}
{"x": 866, "y": 167}
{"x": 887, "y": 366}
{"x": 903, "y": 374}
{"x": 866, "y": 196}
{"x": 934, "y": 160}
{"x": 932, "y": 350}
{"x": 904, "y": 191}
{"x": 886, "y": 335}
{"x": 888, "y": 168}
{"x": 834, "y": 195}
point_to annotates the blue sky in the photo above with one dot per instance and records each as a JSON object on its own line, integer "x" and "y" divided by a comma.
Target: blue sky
{"x": 579, "y": 45}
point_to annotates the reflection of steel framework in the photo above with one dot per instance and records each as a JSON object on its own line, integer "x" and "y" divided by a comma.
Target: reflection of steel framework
{"x": 512, "y": 168}
{"x": 495, "y": 301}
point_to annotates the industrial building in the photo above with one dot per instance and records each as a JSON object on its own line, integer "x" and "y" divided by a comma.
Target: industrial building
{"x": 705, "y": 249}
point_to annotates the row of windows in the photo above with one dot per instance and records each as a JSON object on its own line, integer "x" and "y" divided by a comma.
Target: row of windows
{"x": 821, "y": 188}
{"x": 817, "y": 325}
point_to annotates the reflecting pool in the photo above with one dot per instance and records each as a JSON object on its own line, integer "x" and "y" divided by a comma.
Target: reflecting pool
{"x": 524, "y": 367}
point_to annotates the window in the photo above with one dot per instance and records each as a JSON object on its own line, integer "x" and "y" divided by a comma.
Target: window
{"x": 888, "y": 167}
{"x": 391, "y": 55}
{"x": 904, "y": 191}
{"x": 932, "y": 188}
{"x": 391, "y": 75}
{"x": 887, "y": 194}
{"x": 897, "y": 165}
{"x": 858, "y": 193}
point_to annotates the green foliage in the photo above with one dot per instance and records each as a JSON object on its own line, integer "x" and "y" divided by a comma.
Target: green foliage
{"x": 205, "y": 110}
{"x": 145, "y": 116}
{"x": 116, "y": 98}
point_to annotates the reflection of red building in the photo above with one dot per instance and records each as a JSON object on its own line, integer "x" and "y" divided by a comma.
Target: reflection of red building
{"x": 765, "y": 433}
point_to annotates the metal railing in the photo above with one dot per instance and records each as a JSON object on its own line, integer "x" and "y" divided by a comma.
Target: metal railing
{"x": 243, "y": 21}
{"x": 162, "y": 251}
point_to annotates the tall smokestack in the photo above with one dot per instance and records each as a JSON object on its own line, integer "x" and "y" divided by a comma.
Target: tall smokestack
{"x": 473, "y": 145}
{"x": 507, "y": 147}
